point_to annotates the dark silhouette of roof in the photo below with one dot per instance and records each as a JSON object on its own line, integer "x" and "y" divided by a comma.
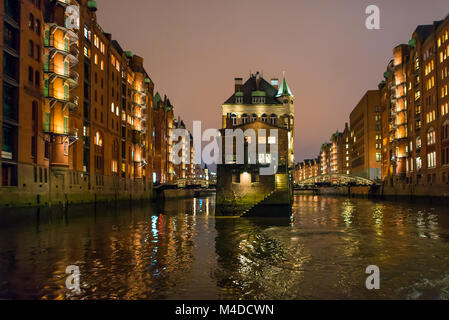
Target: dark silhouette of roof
{"x": 256, "y": 83}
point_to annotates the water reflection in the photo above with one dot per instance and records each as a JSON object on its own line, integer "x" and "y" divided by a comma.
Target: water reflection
{"x": 179, "y": 250}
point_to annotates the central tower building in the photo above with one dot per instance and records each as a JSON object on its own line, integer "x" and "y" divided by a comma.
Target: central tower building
{"x": 259, "y": 105}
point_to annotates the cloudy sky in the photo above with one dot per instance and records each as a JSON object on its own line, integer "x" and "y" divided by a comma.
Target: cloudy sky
{"x": 194, "y": 49}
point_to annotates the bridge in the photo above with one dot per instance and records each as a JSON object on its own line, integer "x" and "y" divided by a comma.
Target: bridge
{"x": 337, "y": 179}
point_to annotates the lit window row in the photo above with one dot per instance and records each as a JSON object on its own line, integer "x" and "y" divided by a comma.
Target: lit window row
{"x": 444, "y": 91}
{"x": 443, "y": 38}
{"x": 445, "y": 109}
{"x": 115, "y": 62}
{"x": 430, "y": 67}
{"x": 444, "y": 73}
{"x": 430, "y": 83}
{"x": 432, "y": 159}
{"x": 430, "y": 116}
{"x": 444, "y": 54}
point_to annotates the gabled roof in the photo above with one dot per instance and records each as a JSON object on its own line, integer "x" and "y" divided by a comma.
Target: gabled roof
{"x": 255, "y": 84}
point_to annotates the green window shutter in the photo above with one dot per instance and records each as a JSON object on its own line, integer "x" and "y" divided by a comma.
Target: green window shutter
{"x": 46, "y": 62}
{"x": 66, "y": 68}
{"x": 47, "y": 122}
{"x": 66, "y": 44}
{"x": 46, "y": 88}
{"x": 66, "y": 92}
{"x": 66, "y": 121}
{"x": 47, "y": 38}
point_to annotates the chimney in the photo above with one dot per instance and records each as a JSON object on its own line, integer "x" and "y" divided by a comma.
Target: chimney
{"x": 275, "y": 83}
{"x": 238, "y": 84}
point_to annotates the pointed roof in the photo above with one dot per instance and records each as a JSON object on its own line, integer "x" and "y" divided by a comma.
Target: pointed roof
{"x": 156, "y": 100}
{"x": 284, "y": 90}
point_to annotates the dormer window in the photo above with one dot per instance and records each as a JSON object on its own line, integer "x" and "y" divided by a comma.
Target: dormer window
{"x": 258, "y": 100}
{"x": 258, "y": 97}
{"x": 239, "y": 97}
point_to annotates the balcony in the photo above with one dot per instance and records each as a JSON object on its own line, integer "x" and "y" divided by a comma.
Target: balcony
{"x": 71, "y": 76}
{"x": 73, "y": 36}
{"x": 59, "y": 96}
{"x": 64, "y": 48}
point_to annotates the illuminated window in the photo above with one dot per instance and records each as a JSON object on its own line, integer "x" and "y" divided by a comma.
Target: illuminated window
{"x": 96, "y": 41}
{"x": 98, "y": 140}
{"x": 431, "y": 137}
{"x": 271, "y": 140}
{"x": 96, "y": 59}
{"x": 378, "y": 157}
{"x": 112, "y": 107}
{"x": 431, "y": 159}
{"x": 102, "y": 65}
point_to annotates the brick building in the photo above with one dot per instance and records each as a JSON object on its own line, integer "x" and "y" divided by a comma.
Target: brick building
{"x": 415, "y": 102}
{"x": 366, "y": 137}
{"x": 77, "y": 110}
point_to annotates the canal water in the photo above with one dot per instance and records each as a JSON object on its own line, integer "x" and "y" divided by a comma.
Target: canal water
{"x": 181, "y": 251}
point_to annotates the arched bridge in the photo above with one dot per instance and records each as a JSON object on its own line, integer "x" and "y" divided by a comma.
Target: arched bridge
{"x": 337, "y": 179}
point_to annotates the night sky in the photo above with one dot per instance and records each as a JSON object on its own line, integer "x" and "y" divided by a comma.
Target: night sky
{"x": 194, "y": 49}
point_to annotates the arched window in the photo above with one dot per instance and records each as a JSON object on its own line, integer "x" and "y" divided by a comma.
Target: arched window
{"x": 253, "y": 117}
{"x": 244, "y": 118}
{"x": 264, "y": 118}
{"x": 234, "y": 119}
{"x": 274, "y": 119}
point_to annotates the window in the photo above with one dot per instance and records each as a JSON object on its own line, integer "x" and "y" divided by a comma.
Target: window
{"x": 431, "y": 159}
{"x": 37, "y": 79}
{"x": 38, "y": 26}
{"x": 234, "y": 119}
{"x": 264, "y": 118}
{"x": 253, "y": 117}
{"x": 271, "y": 140}
{"x": 31, "y": 48}
{"x": 31, "y": 21}
{"x": 244, "y": 118}
{"x": 274, "y": 119}
{"x": 418, "y": 163}
{"x": 38, "y": 53}
{"x": 96, "y": 58}
{"x": 239, "y": 100}
{"x": 378, "y": 157}
{"x": 431, "y": 137}
{"x": 96, "y": 41}
{"x": 30, "y": 74}
{"x": 87, "y": 33}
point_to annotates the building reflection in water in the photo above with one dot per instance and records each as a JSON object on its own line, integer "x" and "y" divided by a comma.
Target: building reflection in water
{"x": 179, "y": 250}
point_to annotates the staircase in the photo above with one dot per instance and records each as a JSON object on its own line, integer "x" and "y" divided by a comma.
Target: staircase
{"x": 275, "y": 204}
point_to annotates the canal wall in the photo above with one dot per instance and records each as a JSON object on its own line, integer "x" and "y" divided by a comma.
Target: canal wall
{"x": 178, "y": 193}
{"x": 65, "y": 191}
{"x": 359, "y": 191}
{"x": 416, "y": 191}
